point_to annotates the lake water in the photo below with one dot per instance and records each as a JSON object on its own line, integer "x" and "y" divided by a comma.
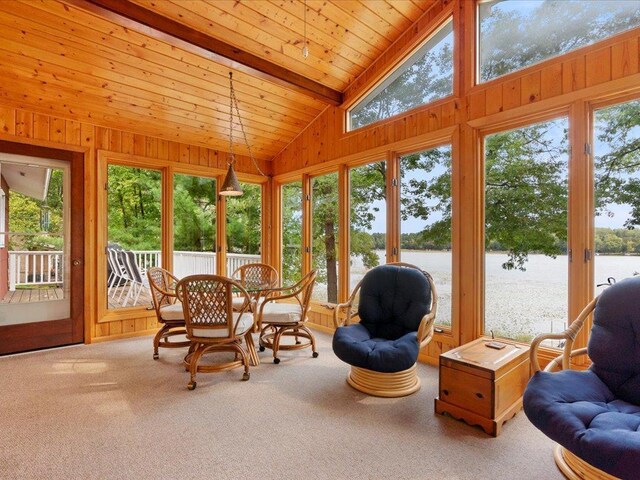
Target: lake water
{"x": 518, "y": 304}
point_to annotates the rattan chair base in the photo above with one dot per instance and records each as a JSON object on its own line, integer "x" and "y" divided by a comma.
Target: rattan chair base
{"x": 161, "y": 339}
{"x": 271, "y": 335}
{"x": 267, "y": 341}
{"x": 574, "y": 468}
{"x": 397, "y": 384}
{"x": 198, "y": 349}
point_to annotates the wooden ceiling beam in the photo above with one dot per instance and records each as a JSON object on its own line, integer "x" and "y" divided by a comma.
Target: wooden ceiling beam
{"x": 135, "y": 17}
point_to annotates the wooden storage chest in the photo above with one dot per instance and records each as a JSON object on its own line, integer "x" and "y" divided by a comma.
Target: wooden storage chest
{"x": 481, "y": 385}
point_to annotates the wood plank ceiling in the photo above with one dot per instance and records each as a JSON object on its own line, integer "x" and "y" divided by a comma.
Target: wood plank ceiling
{"x": 59, "y": 58}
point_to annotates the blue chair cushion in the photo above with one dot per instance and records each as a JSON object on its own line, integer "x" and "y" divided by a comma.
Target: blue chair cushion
{"x": 393, "y": 301}
{"x": 614, "y": 342}
{"x": 581, "y": 413}
{"x": 355, "y": 345}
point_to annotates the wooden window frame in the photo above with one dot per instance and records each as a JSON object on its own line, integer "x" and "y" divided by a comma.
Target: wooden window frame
{"x": 445, "y": 17}
{"x": 454, "y": 329}
{"x": 391, "y": 153}
{"x": 167, "y": 169}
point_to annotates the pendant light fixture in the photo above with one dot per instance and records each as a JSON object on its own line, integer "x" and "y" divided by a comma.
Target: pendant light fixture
{"x": 231, "y": 186}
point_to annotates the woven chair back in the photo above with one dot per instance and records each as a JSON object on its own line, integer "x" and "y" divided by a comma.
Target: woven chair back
{"x": 207, "y": 302}
{"x": 160, "y": 282}
{"x": 256, "y": 275}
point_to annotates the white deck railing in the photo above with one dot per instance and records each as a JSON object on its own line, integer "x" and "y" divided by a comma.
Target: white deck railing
{"x": 28, "y": 268}
{"x": 35, "y": 268}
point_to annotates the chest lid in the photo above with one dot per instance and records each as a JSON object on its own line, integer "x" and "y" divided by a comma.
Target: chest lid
{"x": 476, "y": 358}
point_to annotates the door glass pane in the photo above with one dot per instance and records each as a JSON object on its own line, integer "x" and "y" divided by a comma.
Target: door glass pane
{"x": 134, "y": 233}
{"x": 425, "y": 220}
{"x": 244, "y": 227}
{"x": 194, "y": 225}
{"x": 325, "y": 236}
{"x": 617, "y": 192}
{"x": 34, "y": 251}
{"x": 526, "y": 264}
{"x": 368, "y": 223}
{"x": 291, "y": 233}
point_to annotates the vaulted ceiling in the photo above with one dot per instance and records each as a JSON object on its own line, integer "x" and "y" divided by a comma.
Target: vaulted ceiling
{"x": 161, "y": 67}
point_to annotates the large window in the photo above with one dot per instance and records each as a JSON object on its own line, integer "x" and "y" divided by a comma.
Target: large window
{"x": 425, "y": 219}
{"x": 134, "y": 233}
{"x": 325, "y": 236}
{"x": 425, "y": 76}
{"x": 617, "y": 192}
{"x": 244, "y": 227}
{"x": 194, "y": 225}
{"x": 291, "y": 233}
{"x": 526, "y": 224}
{"x": 514, "y": 34}
{"x": 368, "y": 219}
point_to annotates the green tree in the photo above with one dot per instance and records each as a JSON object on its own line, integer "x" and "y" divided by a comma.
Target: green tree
{"x": 526, "y": 191}
{"x": 291, "y": 233}
{"x": 244, "y": 221}
{"x": 26, "y": 215}
{"x": 134, "y": 207}
{"x": 427, "y": 200}
{"x": 325, "y": 232}
{"x": 616, "y": 179}
{"x": 194, "y": 213}
{"x": 368, "y": 186}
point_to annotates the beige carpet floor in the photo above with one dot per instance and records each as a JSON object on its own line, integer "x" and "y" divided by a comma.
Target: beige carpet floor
{"x": 108, "y": 411}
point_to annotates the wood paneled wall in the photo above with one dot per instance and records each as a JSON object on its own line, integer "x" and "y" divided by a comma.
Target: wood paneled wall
{"x": 28, "y": 127}
{"x": 570, "y": 84}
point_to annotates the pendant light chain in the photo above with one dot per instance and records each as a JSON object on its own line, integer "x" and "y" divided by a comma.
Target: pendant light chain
{"x": 305, "y": 49}
{"x": 233, "y": 102}
{"x": 232, "y": 157}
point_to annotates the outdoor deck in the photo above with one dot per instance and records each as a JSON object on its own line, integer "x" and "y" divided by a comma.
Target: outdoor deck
{"x": 28, "y": 295}
{"x": 144, "y": 300}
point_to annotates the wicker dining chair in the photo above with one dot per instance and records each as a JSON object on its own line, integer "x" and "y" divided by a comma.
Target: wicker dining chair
{"x": 255, "y": 277}
{"x": 277, "y": 319}
{"x": 168, "y": 310}
{"x": 212, "y": 325}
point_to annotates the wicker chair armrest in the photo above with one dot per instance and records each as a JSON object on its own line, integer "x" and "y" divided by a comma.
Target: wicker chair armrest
{"x": 281, "y": 292}
{"x": 557, "y": 362}
{"x": 273, "y": 295}
{"x": 166, "y": 293}
{"x": 569, "y": 335}
{"x": 339, "y": 308}
{"x": 348, "y": 305}
{"x": 272, "y": 298}
{"x": 537, "y": 341}
{"x": 246, "y": 306}
{"x": 426, "y": 329}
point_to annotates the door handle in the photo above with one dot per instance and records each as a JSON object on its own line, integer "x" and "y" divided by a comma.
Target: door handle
{"x": 76, "y": 262}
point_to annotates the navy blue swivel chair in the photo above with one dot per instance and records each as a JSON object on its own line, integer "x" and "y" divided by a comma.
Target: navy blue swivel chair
{"x": 397, "y": 308}
{"x": 594, "y": 414}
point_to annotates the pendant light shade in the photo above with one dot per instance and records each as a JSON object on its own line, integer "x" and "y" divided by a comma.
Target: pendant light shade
{"x": 231, "y": 186}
